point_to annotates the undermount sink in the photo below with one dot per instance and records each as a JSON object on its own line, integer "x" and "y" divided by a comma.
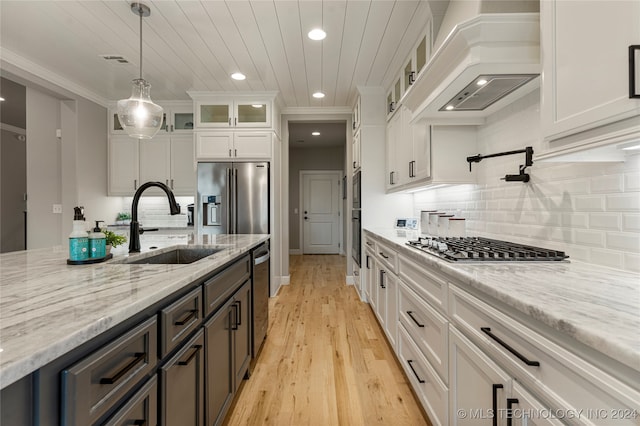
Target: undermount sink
{"x": 177, "y": 256}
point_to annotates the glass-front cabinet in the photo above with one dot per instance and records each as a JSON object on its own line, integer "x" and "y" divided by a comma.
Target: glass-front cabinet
{"x": 177, "y": 118}
{"x": 233, "y": 113}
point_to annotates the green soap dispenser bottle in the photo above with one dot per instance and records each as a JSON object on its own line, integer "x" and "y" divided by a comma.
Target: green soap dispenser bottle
{"x": 78, "y": 239}
{"x": 97, "y": 242}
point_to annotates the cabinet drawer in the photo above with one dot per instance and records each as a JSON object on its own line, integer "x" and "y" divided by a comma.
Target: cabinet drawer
{"x": 431, "y": 287}
{"x": 140, "y": 409}
{"x": 388, "y": 257}
{"x": 562, "y": 379}
{"x": 219, "y": 288}
{"x": 179, "y": 319}
{"x": 428, "y": 329}
{"x": 432, "y": 392}
{"x": 95, "y": 384}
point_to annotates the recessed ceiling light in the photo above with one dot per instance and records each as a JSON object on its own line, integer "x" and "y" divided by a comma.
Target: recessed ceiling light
{"x": 318, "y": 95}
{"x": 317, "y": 34}
{"x": 315, "y": 133}
{"x": 449, "y": 107}
{"x": 238, "y": 76}
{"x": 481, "y": 82}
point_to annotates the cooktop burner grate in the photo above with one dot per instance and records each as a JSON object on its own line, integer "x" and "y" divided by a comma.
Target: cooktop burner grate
{"x": 472, "y": 249}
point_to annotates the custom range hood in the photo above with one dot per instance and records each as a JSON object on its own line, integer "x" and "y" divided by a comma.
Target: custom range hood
{"x": 487, "y": 55}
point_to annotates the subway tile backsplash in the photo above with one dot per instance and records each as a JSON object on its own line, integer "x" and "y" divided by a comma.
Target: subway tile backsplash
{"x": 153, "y": 212}
{"x": 590, "y": 210}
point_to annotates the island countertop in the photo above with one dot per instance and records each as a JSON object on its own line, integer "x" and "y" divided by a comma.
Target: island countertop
{"x": 596, "y": 306}
{"x": 48, "y": 308}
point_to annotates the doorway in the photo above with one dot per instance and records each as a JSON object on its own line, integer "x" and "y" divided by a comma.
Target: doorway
{"x": 321, "y": 211}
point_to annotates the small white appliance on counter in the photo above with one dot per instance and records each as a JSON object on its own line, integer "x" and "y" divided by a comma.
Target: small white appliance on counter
{"x": 409, "y": 223}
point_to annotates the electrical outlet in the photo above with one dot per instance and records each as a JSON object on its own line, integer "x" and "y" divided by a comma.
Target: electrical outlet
{"x": 57, "y": 208}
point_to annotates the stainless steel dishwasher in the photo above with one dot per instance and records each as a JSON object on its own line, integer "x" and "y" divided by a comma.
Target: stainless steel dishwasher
{"x": 260, "y": 300}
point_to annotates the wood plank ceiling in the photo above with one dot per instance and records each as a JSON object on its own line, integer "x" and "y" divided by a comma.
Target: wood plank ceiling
{"x": 196, "y": 45}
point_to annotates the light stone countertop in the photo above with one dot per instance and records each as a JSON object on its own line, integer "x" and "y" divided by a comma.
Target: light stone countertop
{"x": 48, "y": 308}
{"x": 597, "y": 306}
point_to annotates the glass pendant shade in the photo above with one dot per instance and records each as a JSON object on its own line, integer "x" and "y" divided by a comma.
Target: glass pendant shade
{"x": 139, "y": 116}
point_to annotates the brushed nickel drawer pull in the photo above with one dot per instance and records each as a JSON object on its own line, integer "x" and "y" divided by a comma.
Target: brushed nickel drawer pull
{"x": 190, "y": 315}
{"x": 410, "y": 362}
{"x": 193, "y": 354}
{"x": 410, "y": 313}
{"x": 139, "y": 357}
{"x": 487, "y": 331}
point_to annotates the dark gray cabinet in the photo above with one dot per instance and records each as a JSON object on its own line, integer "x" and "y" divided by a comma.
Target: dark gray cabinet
{"x": 182, "y": 385}
{"x": 228, "y": 349}
{"x": 140, "y": 409}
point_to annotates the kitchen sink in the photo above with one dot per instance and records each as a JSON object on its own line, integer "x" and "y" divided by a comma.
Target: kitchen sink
{"x": 176, "y": 256}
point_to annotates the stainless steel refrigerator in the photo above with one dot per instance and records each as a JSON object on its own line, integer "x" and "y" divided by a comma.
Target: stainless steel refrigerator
{"x": 233, "y": 198}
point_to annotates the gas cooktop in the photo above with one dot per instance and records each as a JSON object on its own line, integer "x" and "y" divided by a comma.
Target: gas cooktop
{"x": 478, "y": 249}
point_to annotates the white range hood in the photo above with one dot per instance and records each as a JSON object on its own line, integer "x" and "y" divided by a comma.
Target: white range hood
{"x": 481, "y": 65}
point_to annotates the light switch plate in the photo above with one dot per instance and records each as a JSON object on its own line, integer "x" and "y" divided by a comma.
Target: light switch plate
{"x": 57, "y": 208}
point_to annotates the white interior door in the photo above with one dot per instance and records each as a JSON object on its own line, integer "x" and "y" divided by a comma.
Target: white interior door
{"x": 321, "y": 212}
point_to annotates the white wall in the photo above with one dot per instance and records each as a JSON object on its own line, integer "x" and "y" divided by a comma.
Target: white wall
{"x": 589, "y": 210}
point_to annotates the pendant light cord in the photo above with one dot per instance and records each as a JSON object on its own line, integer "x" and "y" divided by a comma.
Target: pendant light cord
{"x": 140, "y": 12}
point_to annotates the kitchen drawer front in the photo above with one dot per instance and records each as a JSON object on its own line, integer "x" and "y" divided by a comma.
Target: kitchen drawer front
{"x": 431, "y": 391}
{"x": 219, "y": 288}
{"x": 428, "y": 285}
{"x": 94, "y": 385}
{"x": 140, "y": 409}
{"x": 388, "y": 257}
{"x": 179, "y": 319}
{"x": 428, "y": 329}
{"x": 562, "y": 380}
{"x": 370, "y": 243}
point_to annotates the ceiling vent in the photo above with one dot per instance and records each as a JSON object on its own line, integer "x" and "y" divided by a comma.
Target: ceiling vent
{"x": 115, "y": 59}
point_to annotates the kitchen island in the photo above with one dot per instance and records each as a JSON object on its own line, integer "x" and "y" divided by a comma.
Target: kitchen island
{"x": 49, "y": 308}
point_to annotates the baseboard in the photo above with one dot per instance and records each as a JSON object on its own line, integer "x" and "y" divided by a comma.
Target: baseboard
{"x": 295, "y": 251}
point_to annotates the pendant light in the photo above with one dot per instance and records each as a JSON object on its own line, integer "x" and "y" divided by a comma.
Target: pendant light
{"x": 139, "y": 116}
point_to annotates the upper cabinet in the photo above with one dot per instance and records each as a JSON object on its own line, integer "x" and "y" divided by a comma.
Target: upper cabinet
{"x": 587, "y": 69}
{"x": 177, "y": 118}
{"x": 225, "y": 110}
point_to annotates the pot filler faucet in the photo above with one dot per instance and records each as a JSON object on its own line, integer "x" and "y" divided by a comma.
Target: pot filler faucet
{"x": 134, "y": 228}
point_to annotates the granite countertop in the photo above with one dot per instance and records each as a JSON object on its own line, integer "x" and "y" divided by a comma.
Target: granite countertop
{"x": 48, "y": 308}
{"x": 597, "y": 306}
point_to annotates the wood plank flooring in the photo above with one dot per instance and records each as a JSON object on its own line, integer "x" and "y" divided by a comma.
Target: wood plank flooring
{"x": 326, "y": 361}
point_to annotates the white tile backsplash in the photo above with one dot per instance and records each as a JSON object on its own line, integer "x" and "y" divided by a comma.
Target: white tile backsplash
{"x": 153, "y": 212}
{"x": 589, "y": 210}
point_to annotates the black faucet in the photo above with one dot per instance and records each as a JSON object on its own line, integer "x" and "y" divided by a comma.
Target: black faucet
{"x": 134, "y": 228}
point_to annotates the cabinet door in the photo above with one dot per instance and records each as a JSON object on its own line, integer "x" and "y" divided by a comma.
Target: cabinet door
{"x": 242, "y": 333}
{"x": 381, "y": 299}
{"x": 214, "y": 114}
{"x": 528, "y": 411}
{"x": 355, "y": 151}
{"x": 478, "y": 388}
{"x": 421, "y": 137}
{"x": 218, "y": 374}
{"x": 252, "y": 114}
{"x": 123, "y": 165}
{"x": 586, "y": 65}
{"x": 370, "y": 276}
{"x": 391, "y": 320}
{"x": 252, "y": 145}
{"x": 182, "y": 385}
{"x": 155, "y": 160}
{"x": 140, "y": 409}
{"x": 393, "y": 131}
{"x": 181, "y": 119}
{"x": 183, "y": 166}
{"x": 404, "y": 147}
{"x": 214, "y": 145}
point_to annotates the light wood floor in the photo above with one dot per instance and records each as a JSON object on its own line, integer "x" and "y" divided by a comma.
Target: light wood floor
{"x": 325, "y": 361}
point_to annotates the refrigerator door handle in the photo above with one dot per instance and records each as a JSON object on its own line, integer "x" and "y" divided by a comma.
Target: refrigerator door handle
{"x": 234, "y": 201}
{"x": 228, "y": 202}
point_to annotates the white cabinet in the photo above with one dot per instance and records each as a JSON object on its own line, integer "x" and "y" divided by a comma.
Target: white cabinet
{"x": 416, "y": 60}
{"x": 177, "y": 118}
{"x": 386, "y": 297}
{"x": 355, "y": 151}
{"x": 419, "y": 154}
{"x": 166, "y": 159}
{"x": 233, "y": 113}
{"x": 123, "y": 165}
{"x": 586, "y": 65}
{"x": 216, "y": 145}
{"x": 355, "y": 115}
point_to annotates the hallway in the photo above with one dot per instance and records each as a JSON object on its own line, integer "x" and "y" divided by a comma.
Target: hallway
{"x": 325, "y": 361}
